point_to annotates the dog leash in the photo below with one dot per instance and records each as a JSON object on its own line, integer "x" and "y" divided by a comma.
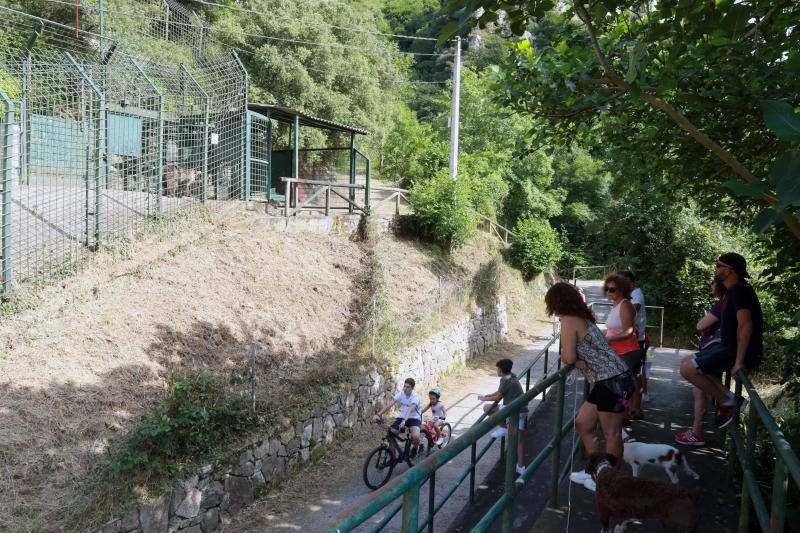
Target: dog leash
{"x": 572, "y": 455}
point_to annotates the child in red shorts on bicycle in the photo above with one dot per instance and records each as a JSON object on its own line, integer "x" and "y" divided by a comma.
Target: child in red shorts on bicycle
{"x": 438, "y": 411}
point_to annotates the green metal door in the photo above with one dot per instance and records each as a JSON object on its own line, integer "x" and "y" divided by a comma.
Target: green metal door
{"x": 259, "y": 151}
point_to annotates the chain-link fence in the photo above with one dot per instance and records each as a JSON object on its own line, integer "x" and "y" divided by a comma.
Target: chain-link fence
{"x": 99, "y": 138}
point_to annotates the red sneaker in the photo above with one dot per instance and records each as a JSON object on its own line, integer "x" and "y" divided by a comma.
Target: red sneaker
{"x": 689, "y": 438}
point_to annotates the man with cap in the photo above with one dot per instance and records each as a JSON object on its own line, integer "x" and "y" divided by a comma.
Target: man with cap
{"x": 741, "y": 328}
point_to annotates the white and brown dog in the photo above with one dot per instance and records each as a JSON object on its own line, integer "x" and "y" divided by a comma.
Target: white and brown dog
{"x": 626, "y": 498}
{"x": 638, "y": 454}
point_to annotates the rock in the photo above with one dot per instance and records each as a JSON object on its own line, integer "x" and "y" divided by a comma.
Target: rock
{"x": 258, "y": 479}
{"x": 191, "y": 483}
{"x": 190, "y": 506}
{"x": 240, "y": 491}
{"x": 274, "y": 446}
{"x": 328, "y": 429}
{"x": 293, "y": 447}
{"x": 268, "y": 468}
{"x": 212, "y": 496}
{"x": 130, "y": 521}
{"x": 206, "y": 470}
{"x": 261, "y": 450}
{"x": 154, "y": 518}
{"x": 192, "y": 529}
{"x": 309, "y": 430}
{"x": 246, "y": 466}
{"x": 210, "y": 521}
{"x": 287, "y": 435}
{"x": 178, "y": 495}
{"x": 305, "y": 453}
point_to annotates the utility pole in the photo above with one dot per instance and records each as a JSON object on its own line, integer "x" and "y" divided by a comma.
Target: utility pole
{"x": 454, "y": 111}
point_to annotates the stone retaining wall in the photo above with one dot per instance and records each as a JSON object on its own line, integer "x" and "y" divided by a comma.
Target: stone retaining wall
{"x": 200, "y": 503}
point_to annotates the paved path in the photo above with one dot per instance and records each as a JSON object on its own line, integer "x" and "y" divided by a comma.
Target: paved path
{"x": 313, "y": 508}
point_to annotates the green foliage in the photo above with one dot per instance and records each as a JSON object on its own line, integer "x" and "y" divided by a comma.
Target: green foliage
{"x": 444, "y": 209}
{"x": 412, "y": 152}
{"x": 196, "y": 418}
{"x": 536, "y": 247}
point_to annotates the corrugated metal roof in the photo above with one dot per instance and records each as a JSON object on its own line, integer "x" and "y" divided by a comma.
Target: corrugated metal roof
{"x": 287, "y": 114}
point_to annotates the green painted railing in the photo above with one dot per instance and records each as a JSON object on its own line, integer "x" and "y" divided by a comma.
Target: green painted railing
{"x": 407, "y": 486}
{"x": 743, "y": 448}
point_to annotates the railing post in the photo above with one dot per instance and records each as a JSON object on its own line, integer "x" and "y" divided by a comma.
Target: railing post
{"x": 397, "y": 204}
{"x": 352, "y": 191}
{"x": 327, "y": 200}
{"x": 750, "y": 444}
{"x": 780, "y": 485}
{"x": 553, "y": 502}
{"x": 411, "y": 510}
{"x": 431, "y": 500}
{"x": 288, "y": 198}
{"x": 585, "y": 395}
{"x": 511, "y": 470}
{"x": 367, "y": 192}
{"x": 472, "y": 460}
{"x": 6, "y": 164}
{"x": 544, "y": 370}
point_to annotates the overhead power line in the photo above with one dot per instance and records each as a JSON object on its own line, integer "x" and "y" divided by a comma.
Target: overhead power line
{"x": 315, "y": 22}
{"x": 259, "y": 35}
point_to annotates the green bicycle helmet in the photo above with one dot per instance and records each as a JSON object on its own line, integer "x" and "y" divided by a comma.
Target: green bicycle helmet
{"x": 436, "y": 392}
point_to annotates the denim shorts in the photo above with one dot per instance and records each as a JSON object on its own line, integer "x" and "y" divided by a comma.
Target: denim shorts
{"x": 715, "y": 359}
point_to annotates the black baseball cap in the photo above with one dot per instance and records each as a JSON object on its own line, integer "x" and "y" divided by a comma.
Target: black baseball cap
{"x": 736, "y": 262}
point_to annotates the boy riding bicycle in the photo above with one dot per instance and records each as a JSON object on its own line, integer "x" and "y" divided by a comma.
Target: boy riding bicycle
{"x": 438, "y": 411}
{"x": 410, "y": 415}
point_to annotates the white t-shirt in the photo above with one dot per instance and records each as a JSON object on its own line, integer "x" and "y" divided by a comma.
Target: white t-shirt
{"x": 407, "y": 402}
{"x": 640, "y": 321}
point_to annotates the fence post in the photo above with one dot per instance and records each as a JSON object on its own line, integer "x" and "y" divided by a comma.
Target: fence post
{"x": 352, "y": 194}
{"x": 160, "y": 159}
{"x": 431, "y": 500}
{"x": 100, "y": 116}
{"x": 472, "y": 461}
{"x": 511, "y": 471}
{"x": 367, "y": 192}
{"x": 750, "y": 445}
{"x": 328, "y": 200}
{"x": 553, "y": 502}
{"x": 248, "y": 147}
{"x": 244, "y": 115}
{"x": 780, "y": 486}
{"x": 8, "y": 180}
{"x": 253, "y": 350}
{"x": 206, "y": 105}
{"x": 411, "y": 510}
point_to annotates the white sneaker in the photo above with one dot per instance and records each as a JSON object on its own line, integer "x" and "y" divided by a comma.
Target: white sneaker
{"x": 590, "y": 484}
{"x": 440, "y": 441}
{"x": 646, "y": 397}
{"x": 498, "y": 433}
{"x": 579, "y": 477}
{"x": 520, "y": 469}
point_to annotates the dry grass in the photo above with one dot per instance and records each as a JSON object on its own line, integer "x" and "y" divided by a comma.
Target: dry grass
{"x": 87, "y": 357}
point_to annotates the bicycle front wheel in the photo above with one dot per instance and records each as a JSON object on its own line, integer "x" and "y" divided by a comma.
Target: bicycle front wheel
{"x": 378, "y": 467}
{"x": 447, "y": 433}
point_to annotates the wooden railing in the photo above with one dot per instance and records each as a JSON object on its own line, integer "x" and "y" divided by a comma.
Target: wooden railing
{"x": 494, "y": 228}
{"x": 328, "y": 188}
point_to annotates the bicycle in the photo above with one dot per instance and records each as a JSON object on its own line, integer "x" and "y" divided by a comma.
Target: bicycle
{"x": 380, "y": 463}
{"x": 447, "y": 433}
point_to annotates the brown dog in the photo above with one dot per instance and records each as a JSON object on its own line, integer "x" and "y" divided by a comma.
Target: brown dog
{"x": 627, "y": 498}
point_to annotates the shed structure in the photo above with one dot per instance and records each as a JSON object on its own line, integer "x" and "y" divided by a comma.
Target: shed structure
{"x": 266, "y": 165}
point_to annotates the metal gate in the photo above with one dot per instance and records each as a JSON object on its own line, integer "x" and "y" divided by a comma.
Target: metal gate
{"x": 258, "y": 181}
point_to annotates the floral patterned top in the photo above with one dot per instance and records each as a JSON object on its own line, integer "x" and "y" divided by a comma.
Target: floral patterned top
{"x": 601, "y": 360}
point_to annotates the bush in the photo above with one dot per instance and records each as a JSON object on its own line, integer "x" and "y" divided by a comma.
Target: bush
{"x": 444, "y": 209}
{"x": 196, "y": 417}
{"x": 536, "y": 247}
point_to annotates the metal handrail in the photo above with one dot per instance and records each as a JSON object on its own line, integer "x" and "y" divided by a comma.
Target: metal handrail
{"x": 786, "y": 462}
{"x": 408, "y": 485}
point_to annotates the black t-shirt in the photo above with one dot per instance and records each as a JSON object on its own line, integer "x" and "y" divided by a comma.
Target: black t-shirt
{"x": 738, "y": 297}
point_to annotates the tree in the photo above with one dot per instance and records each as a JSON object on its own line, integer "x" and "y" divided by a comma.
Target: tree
{"x": 724, "y": 72}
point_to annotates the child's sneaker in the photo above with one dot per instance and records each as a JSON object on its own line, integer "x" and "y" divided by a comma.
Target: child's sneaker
{"x": 499, "y": 433}
{"x": 579, "y": 477}
{"x": 440, "y": 441}
{"x": 690, "y": 438}
{"x": 646, "y": 397}
{"x": 590, "y": 484}
{"x": 520, "y": 469}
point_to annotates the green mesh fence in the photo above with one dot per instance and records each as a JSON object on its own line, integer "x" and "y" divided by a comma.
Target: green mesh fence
{"x": 100, "y": 136}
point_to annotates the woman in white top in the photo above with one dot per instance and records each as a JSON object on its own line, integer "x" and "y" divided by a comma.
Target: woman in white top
{"x": 621, "y": 330}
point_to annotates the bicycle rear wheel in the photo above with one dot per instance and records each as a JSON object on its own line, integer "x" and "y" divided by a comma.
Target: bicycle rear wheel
{"x": 423, "y": 451}
{"x": 378, "y": 467}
